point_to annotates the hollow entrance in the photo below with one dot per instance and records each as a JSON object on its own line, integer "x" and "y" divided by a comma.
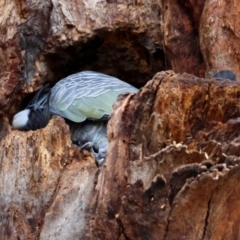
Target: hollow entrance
{"x": 120, "y": 53}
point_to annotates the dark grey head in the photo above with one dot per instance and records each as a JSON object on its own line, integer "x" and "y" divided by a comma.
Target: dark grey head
{"x": 225, "y": 74}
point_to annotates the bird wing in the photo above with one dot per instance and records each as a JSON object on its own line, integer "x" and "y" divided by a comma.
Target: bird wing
{"x": 86, "y": 95}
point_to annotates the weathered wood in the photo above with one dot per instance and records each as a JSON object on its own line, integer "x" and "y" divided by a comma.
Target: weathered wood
{"x": 172, "y": 168}
{"x": 169, "y": 190}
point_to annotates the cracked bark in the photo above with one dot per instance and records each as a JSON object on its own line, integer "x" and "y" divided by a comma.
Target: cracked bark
{"x": 148, "y": 183}
{"x": 207, "y": 217}
{"x": 172, "y": 169}
{"x": 188, "y": 173}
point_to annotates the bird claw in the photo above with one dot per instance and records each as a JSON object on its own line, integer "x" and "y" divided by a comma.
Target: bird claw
{"x": 100, "y": 162}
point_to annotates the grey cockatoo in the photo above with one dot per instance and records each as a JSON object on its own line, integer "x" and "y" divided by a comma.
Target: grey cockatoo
{"x": 79, "y": 97}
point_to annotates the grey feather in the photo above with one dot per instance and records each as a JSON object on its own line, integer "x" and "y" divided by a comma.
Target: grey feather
{"x": 91, "y": 92}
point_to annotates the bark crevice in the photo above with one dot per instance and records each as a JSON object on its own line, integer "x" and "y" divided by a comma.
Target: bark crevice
{"x": 207, "y": 216}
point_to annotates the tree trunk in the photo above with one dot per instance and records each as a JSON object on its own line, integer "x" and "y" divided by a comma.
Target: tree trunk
{"x": 172, "y": 167}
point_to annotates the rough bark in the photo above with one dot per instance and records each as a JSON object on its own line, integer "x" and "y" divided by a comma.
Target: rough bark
{"x": 220, "y": 36}
{"x": 172, "y": 168}
{"x": 181, "y": 39}
{"x": 153, "y": 188}
{"x": 33, "y": 166}
{"x": 48, "y": 40}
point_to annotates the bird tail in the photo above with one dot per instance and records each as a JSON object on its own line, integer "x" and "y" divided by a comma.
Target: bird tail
{"x": 38, "y": 118}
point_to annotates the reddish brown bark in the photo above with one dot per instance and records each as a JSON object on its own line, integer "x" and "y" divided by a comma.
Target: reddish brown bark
{"x": 172, "y": 168}
{"x": 169, "y": 190}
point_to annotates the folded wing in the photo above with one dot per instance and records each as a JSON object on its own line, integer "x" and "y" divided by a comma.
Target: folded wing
{"x": 86, "y": 95}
